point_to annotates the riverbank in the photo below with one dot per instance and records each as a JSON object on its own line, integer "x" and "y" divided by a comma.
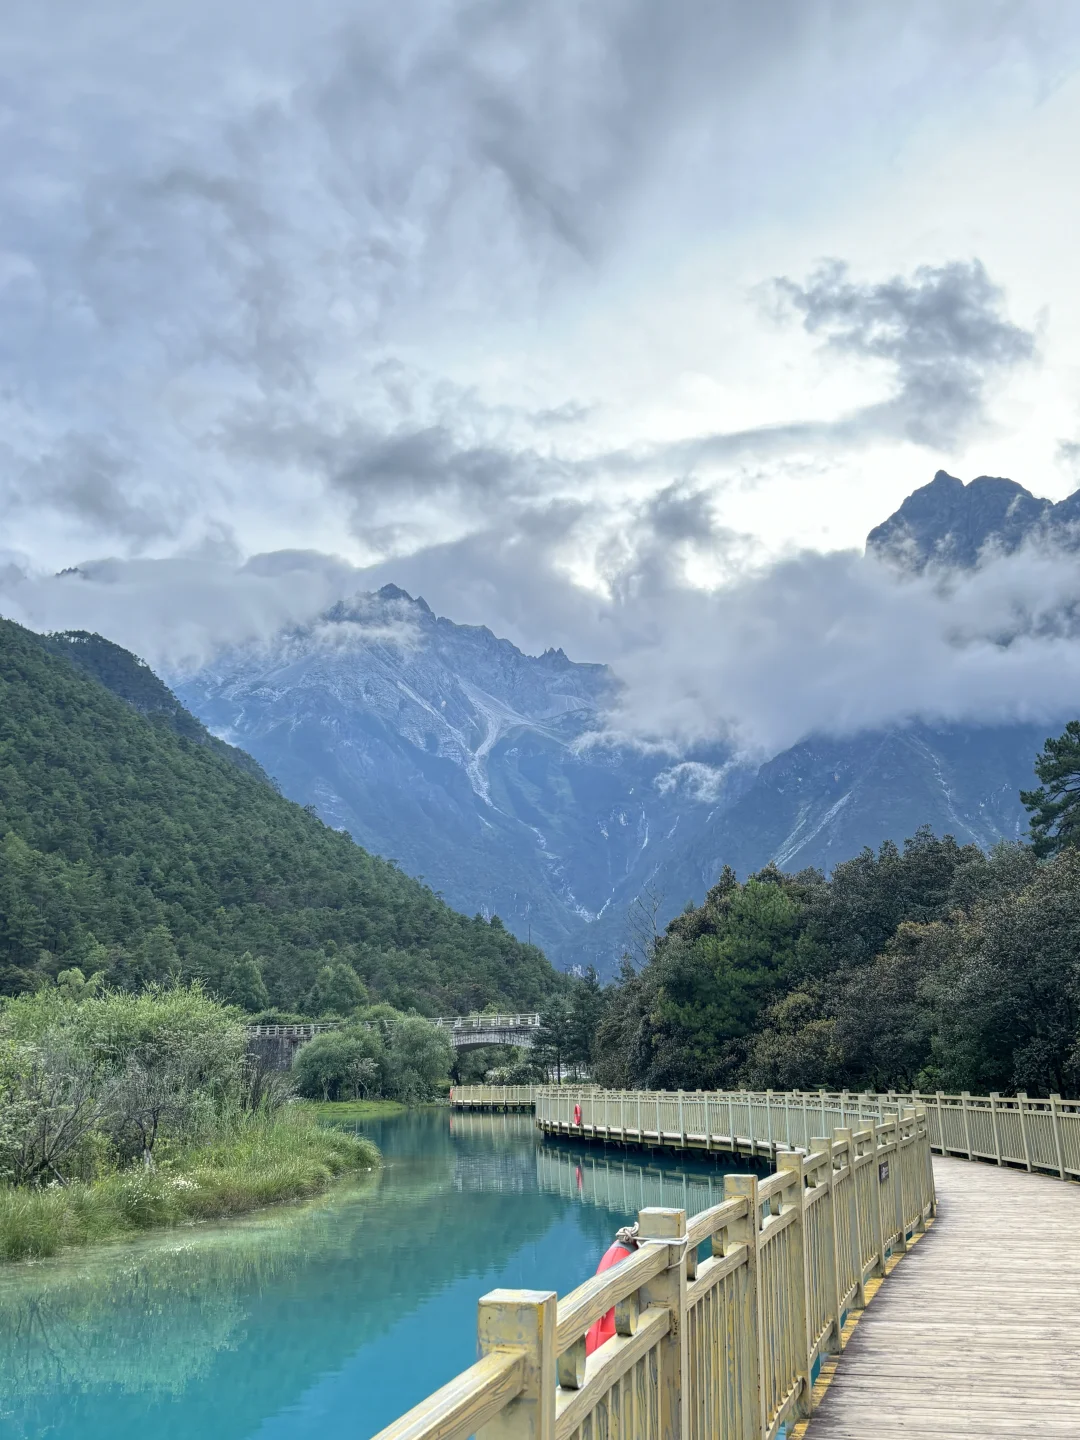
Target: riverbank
{"x": 260, "y": 1161}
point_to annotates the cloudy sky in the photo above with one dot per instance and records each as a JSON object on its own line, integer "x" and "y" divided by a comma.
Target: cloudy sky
{"x": 594, "y": 322}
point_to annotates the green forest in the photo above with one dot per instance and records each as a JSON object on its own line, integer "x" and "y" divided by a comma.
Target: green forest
{"x": 138, "y": 850}
{"x": 935, "y": 966}
{"x": 135, "y": 848}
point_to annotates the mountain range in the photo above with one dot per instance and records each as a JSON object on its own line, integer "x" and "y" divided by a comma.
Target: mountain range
{"x": 482, "y": 769}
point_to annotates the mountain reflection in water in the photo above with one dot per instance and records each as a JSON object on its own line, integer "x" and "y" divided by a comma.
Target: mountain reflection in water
{"x": 326, "y": 1319}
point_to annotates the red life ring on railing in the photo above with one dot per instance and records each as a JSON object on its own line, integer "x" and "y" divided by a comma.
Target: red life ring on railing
{"x": 577, "y": 1114}
{"x": 604, "y": 1328}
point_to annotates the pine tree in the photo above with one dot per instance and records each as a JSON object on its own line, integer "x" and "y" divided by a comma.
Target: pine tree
{"x": 1055, "y": 806}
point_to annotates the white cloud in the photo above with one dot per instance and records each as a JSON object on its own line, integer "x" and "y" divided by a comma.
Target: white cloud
{"x": 469, "y": 296}
{"x": 812, "y": 643}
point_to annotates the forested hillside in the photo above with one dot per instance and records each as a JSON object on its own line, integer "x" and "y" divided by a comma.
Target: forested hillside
{"x": 133, "y": 680}
{"x": 936, "y": 966}
{"x": 135, "y": 851}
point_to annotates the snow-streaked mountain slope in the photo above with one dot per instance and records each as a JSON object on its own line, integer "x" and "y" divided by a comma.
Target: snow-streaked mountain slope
{"x": 477, "y": 766}
{"x": 465, "y": 760}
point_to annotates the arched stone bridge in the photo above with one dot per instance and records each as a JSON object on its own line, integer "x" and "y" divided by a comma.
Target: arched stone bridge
{"x": 277, "y": 1044}
{"x": 469, "y": 1032}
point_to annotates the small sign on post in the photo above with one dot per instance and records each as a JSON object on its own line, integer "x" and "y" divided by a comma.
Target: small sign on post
{"x": 883, "y": 1170}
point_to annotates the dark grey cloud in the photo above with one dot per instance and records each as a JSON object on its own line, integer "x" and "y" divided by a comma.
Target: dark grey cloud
{"x": 91, "y": 478}
{"x": 942, "y": 331}
{"x": 234, "y": 215}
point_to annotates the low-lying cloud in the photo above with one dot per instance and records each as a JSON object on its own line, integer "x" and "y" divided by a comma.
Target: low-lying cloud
{"x": 814, "y": 643}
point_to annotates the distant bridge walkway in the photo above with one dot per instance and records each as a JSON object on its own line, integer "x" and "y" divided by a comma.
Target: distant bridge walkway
{"x": 277, "y": 1044}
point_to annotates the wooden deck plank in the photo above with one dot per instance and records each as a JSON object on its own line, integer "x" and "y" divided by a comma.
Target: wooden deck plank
{"x": 974, "y": 1332}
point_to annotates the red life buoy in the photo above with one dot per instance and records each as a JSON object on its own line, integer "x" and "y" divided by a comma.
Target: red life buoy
{"x": 577, "y": 1114}
{"x": 604, "y": 1328}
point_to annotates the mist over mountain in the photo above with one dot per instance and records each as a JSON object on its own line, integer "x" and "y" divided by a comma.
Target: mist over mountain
{"x": 494, "y": 775}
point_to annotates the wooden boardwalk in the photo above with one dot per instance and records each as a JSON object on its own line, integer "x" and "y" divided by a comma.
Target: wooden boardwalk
{"x": 975, "y": 1332}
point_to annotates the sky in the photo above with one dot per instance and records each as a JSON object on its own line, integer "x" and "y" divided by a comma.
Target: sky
{"x": 610, "y": 325}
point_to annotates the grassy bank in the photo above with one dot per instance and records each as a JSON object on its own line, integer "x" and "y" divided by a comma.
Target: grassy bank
{"x": 352, "y": 1109}
{"x": 260, "y": 1161}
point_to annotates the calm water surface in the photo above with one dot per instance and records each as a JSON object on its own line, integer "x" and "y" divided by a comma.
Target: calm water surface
{"x": 325, "y": 1320}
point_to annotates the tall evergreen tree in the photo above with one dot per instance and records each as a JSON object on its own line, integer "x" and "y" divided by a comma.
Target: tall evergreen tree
{"x": 1055, "y": 806}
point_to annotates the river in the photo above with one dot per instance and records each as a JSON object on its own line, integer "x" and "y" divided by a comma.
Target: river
{"x": 326, "y": 1319}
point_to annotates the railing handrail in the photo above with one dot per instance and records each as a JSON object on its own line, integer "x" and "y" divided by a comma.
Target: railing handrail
{"x": 826, "y": 1221}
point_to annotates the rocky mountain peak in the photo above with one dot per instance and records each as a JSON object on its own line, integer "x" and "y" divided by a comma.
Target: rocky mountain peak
{"x": 950, "y": 523}
{"x": 395, "y": 592}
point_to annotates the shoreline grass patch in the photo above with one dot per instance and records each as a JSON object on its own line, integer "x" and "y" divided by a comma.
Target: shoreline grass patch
{"x": 259, "y": 1161}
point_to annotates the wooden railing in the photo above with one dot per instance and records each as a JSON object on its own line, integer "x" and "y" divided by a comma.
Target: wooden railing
{"x": 1038, "y": 1134}
{"x": 493, "y": 1097}
{"x": 723, "y": 1346}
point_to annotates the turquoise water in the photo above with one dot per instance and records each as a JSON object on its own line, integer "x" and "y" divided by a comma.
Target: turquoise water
{"x": 324, "y": 1320}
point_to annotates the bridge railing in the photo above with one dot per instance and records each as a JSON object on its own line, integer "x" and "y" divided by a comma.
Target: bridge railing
{"x": 720, "y": 1346}
{"x": 293, "y": 1032}
{"x": 488, "y": 1022}
{"x": 445, "y": 1022}
{"x": 493, "y": 1097}
{"x": 758, "y": 1122}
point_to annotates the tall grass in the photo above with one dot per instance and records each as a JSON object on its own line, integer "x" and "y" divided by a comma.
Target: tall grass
{"x": 252, "y": 1160}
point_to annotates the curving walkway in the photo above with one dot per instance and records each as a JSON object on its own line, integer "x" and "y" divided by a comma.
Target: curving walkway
{"x": 977, "y": 1331}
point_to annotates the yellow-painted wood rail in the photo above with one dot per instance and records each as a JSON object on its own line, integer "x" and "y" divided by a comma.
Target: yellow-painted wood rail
{"x": 975, "y": 1334}
{"x": 1039, "y": 1135}
{"x": 726, "y": 1345}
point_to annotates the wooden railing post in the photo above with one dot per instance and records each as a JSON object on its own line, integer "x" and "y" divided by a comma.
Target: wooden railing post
{"x": 820, "y": 1144}
{"x": 1021, "y": 1103}
{"x": 845, "y": 1135}
{"x": 965, "y": 1101}
{"x": 669, "y": 1289}
{"x": 1055, "y": 1118}
{"x": 994, "y": 1098}
{"x": 918, "y": 1170}
{"x": 746, "y": 1232}
{"x": 793, "y": 1197}
{"x": 897, "y": 1188}
{"x": 875, "y": 1190}
{"x": 525, "y": 1321}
